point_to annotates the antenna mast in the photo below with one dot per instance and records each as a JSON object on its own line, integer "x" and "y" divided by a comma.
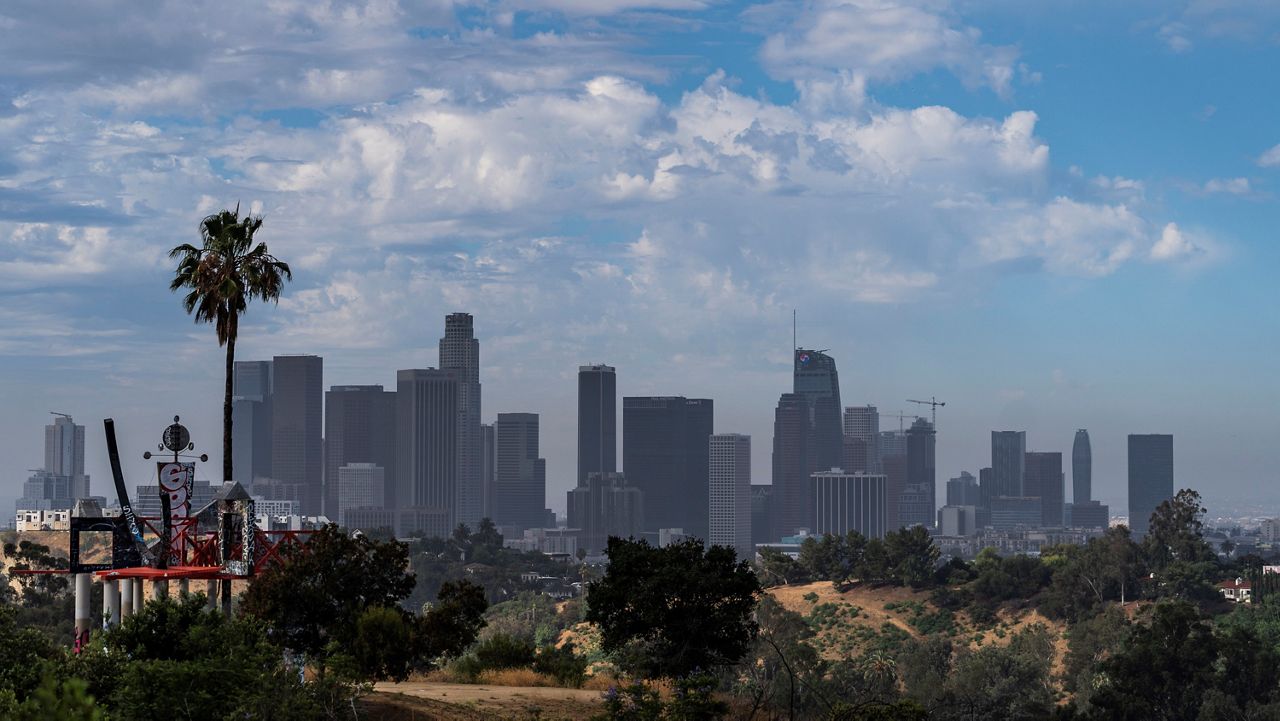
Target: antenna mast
{"x": 793, "y": 331}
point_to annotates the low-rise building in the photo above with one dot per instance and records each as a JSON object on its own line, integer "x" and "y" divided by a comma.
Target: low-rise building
{"x": 43, "y": 520}
{"x": 1238, "y": 590}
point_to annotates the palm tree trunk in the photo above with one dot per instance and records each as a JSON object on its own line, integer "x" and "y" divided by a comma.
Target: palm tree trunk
{"x": 226, "y": 402}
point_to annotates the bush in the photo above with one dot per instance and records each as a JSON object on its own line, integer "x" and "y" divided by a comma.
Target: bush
{"x": 499, "y": 651}
{"x": 567, "y": 667}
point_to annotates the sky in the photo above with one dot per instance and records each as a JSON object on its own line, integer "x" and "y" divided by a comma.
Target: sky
{"x": 1048, "y": 215}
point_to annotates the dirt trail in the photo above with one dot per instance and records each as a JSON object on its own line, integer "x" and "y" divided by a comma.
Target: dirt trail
{"x": 467, "y": 702}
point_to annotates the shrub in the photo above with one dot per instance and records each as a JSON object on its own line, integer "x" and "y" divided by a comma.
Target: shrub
{"x": 567, "y": 667}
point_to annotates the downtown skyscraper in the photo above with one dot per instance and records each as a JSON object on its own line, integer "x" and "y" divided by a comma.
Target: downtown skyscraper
{"x": 359, "y": 428}
{"x": 1150, "y": 478}
{"x": 1081, "y": 468}
{"x": 815, "y": 379}
{"x": 729, "y": 473}
{"x": 64, "y": 454}
{"x": 597, "y": 421}
{"x": 251, "y": 432}
{"x": 1008, "y": 463}
{"x": 297, "y": 410}
{"x": 792, "y": 499}
{"x": 520, "y": 476}
{"x": 1044, "y": 480}
{"x": 918, "y": 504}
{"x": 664, "y": 454}
{"x": 460, "y": 352}
{"x": 426, "y": 486}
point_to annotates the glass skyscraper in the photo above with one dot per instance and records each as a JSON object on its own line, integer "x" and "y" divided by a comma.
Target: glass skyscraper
{"x": 1150, "y": 478}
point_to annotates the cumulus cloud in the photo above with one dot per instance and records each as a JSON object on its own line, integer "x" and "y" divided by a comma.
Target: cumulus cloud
{"x": 1175, "y": 245}
{"x": 1271, "y": 158}
{"x": 1233, "y": 186}
{"x": 880, "y": 40}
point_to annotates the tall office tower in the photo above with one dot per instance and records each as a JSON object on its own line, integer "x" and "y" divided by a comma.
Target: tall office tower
{"x": 1150, "y": 478}
{"x": 605, "y": 505}
{"x": 856, "y": 455}
{"x": 845, "y": 502}
{"x": 762, "y": 523}
{"x": 359, "y": 427}
{"x": 922, "y": 481}
{"x": 1044, "y": 479}
{"x": 297, "y": 410}
{"x": 357, "y": 485}
{"x": 863, "y": 423}
{"x": 1008, "y": 456}
{"x": 729, "y": 472}
{"x": 597, "y": 420}
{"x": 426, "y": 451}
{"x": 64, "y": 454}
{"x": 664, "y": 454}
{"x": 488, "y": 461}
{"x": 963, "y": 490}
{"x": 892, "y": 448}
{"x": 251, "y": 421}
{"x": 1081, "y": 468}
{"x": 986, "y": 492}
{"x": 815, "y": 379}
{"x": 460, "y": 352}
{"x": 792, "y": 492}
{"x": 520, "y": 476}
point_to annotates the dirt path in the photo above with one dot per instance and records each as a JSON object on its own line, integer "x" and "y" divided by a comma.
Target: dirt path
{"x": 468, "y": 702}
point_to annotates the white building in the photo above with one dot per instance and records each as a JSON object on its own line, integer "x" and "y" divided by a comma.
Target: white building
{"x": 844, "y": 502}
{"x": 1271, "y": 530}
{"x": 957, "y": 521}
{"x": 56, "y": 520}
{"x": 729, "y": 493}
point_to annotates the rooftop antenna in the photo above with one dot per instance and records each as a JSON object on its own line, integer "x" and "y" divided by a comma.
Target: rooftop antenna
{"x": 794, "y": 346}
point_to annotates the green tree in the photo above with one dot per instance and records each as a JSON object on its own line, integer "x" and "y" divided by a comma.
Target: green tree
{"x": 667, "y": 612}
{"x": 1176, "y": 533}
{"x": 22, "y": 653}
{"x": 220, "y": 278}
{"x": 999, "y": 682}
{"x": 316, "y": 596}
{"x": 911, "y": 555}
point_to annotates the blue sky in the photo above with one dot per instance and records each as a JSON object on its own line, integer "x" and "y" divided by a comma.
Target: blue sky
{"x": 1051, "y": 216}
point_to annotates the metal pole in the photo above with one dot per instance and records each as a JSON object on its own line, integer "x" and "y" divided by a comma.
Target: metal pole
{"x": 110, "y": 603}
{"x": 226, "y": 597}
{"x": 126, "y": 597}
{"x": 138, "y": 595}
{"x": 84, "y": 589}
{"x": 184, "y": 587}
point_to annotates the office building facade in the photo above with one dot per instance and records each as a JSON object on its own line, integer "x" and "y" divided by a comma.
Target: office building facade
{"x": 863, "y": 424}
{"x": 1043, "y": 478}
{"x": 963, "y": 490}
{"x": 1008, "y": 456}
{"x": 792, "y": 490}
{"x": 1150, "y": 478}
{"x": 251, "y": 434}
{"x": 816, "y": 380}
{"x": 359, "y": 428}
{"x": 520, "y": 476}
{"x": 357, "y": 485}
{"x": 460, "y": 353}
{"x": 426, "y": 450}
{"x": 845, "y": 502}
{"x": 922, "y": 482}
{"x": 597, "y": 420}
{"x": 64, "y": 454}
{"x": 297, "y": 410}
{"x": 729, "y": 493}
{"x": 605, "y": 505}
{"x": 664, "y": 454}
{"x": 1081, "y": 468}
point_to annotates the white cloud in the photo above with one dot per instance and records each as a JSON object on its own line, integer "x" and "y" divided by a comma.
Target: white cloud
{"x": 1234, "y": 186}
{"x": 881, "y": 40}
{"x": 1271, "y": 158}
{"x": 1174, "y": 245}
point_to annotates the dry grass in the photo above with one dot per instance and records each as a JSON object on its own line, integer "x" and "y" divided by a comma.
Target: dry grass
{"x": 516, "y": 677}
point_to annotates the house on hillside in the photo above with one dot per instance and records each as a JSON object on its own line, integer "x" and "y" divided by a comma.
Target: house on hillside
{"x": 1239, "y": 590}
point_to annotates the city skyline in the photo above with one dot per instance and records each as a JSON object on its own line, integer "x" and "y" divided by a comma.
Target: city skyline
{"x": 1047, "y": 239}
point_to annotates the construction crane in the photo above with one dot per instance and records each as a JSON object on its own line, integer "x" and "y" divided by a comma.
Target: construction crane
{"x": 933, "y": 403}
{"x": 901, "y": 417}
{"x": 64, "y": 415}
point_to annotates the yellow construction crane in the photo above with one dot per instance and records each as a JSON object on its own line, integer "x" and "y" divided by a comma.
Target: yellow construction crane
{"x": 933, "y": 403}
{"x": 901, "y": 418}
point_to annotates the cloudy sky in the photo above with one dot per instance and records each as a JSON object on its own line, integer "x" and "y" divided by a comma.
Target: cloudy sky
{"x": 1049, "y": 215}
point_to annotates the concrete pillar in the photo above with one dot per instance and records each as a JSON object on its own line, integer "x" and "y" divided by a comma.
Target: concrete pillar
{"x": 184, "y": 587}
{"x": 126, "y": 598}
{"x": 110, "y": 603}
{"x": 84, "y": 590}
{"x": 159, "y": 589}
{"x": 211, "y": 593}
{"x": 138, "y": 592}
{"x": 225, "y": 596}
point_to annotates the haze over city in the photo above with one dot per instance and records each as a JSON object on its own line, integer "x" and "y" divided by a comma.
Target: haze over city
{"x": 1048, "y": 218}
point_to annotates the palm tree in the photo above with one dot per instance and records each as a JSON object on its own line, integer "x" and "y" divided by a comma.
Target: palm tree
{"x": 221, "y": 277}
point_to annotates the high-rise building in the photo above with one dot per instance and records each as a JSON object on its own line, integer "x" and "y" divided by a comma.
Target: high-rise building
{"x": 297, "y": 410}
{"x": 1150, "y": 478}
{"x": 460, "y": 352}
{"x": 1008, "y": 454}
{"x": 520, "y": 476}
{"x": 1013, "y": 512}
{"x": 251, "y": 433}
{"x": 892, "y": 449}
{"x": 729, "y": 473}
{"x": 488, "y": 460}
{"x": 426, "y": 450}
{"x": 762, "y": 523}
{"x": 664, "y": 454}
{"x": 64, "y": 454}
{"x": 603, "y": 506}
{"x": 845, "y": 502}
{"x": 597, "y": 421}
{"x": 1081, "y": 468}
{"x": 815, "y": 379}
{"x": 792, "y": 491}
{"x": 359, "y": 428}
{"x": 1043, "y": 478}
{"x": 357, "y": 485}
{"x": 964, "y": 490}
{"x": 857, "y": 456}
{"x": 863, "y": 424}
{"x": 922, "y": 481}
